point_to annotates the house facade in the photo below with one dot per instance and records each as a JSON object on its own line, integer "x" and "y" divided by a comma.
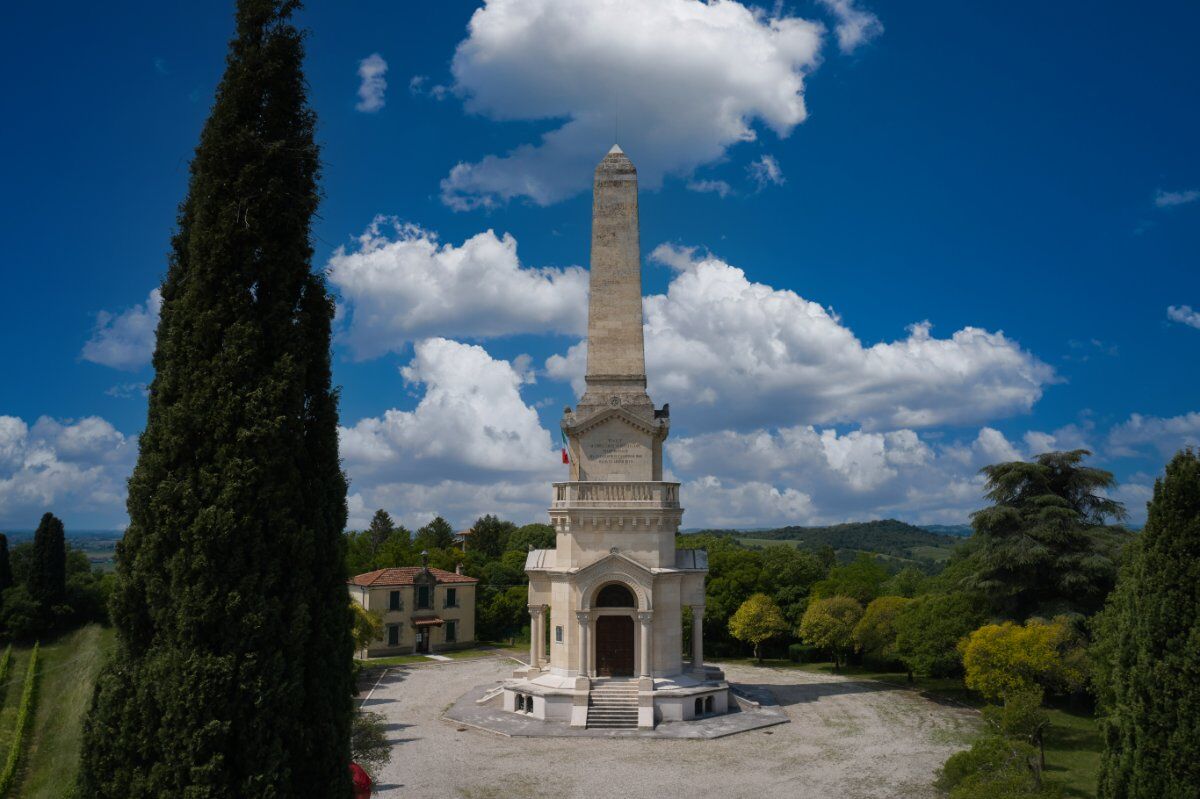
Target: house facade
{"x": 424, "y": 610}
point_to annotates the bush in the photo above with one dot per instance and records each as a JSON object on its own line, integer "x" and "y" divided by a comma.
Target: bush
{"x": 995, "y": 768}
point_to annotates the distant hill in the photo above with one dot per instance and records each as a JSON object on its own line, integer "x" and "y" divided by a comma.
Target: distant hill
{"x": 960, "y": 530}
{"x": 897, "y": 542}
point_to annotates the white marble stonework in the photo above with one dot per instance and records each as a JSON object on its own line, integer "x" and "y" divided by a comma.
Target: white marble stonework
{"x": 610, "y": 596}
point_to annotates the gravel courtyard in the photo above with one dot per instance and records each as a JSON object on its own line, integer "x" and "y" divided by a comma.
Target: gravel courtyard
{"x": 847, "y": 740}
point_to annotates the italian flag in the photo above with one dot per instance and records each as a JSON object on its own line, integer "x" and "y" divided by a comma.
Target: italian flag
{"x": 566, "y": 458}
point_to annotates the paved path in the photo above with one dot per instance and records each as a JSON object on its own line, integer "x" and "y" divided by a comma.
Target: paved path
{"x": 847, "y": 740}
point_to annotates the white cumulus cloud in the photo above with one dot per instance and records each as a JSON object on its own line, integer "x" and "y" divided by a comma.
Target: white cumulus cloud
{"x": 683, "y": 79}
{"x": 470, "y": 423}
{"x": 400, "y": 284}
{"x": 855, "y": 27}
{"x": 1164, "y": 435}
{"x": 856, "y": 475}
{"x": 125, "y": 340}
{"x": 1184, "y": 315}
{"x": 734, "y": 353}
{"x": 373, "y": 84}
{"x": 75, "y": 469}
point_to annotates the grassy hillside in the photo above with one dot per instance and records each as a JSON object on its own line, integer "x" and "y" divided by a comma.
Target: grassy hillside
{"x": 69, "y": 667}
{"x": 897, "y": 542}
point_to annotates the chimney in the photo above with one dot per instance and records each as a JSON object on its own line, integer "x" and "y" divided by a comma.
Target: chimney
{"x": 458, "y": 569}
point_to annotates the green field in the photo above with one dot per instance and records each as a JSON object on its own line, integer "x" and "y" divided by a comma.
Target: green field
{"x": 69, "y": 666}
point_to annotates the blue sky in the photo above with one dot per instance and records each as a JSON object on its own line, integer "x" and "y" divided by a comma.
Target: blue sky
{"x": 820, "y": 179}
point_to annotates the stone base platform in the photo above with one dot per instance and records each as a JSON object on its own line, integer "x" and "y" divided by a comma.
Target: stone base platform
{"x": 749, "y": 709}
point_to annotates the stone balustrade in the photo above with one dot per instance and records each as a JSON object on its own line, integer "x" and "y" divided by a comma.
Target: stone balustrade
{"x": 616, "y": 495}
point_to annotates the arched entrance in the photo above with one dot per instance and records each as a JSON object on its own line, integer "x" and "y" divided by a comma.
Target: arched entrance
{"x": 614, "y": 646}
{"x": 614, "y": 631}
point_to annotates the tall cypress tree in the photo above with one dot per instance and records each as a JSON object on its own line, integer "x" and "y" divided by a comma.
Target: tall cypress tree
{"x": 6, "y": 575}
{"x": 48, "y": 572}
{"x": 232, "y": 676}
{"x": 1148, "y": 650}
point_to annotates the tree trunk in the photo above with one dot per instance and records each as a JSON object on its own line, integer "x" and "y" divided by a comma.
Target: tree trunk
{"x": 757, "y": 654}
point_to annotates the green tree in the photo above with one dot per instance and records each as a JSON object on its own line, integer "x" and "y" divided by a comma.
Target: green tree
{"x": 6, "y": 573}
{"x": 928, "y": 631}
{"x": 875, "y": 633}
{"x": 531, "y": 536}
{"x": 20, "y": 614}
{"x": 232, "y": 675}
{"x": 489, "y": 535}
{"x": 1149, "y": 679}
{"x": 759, "y": 619}
{"x": 907, "y": 583}
{"x": 1000, "y": 659}
{"x": 1022, "y": 717}
{"x": 48, "y": 572}
{"x": 788, "y": 575}
{"x": 438, "y": 534}
{"x": 369, "y": 745}
{"x": 380, "y": 529}
{"x": 829, "y": 623}
{"x": 862, "y": 580}
{"x": 1044, "y": 547}
{"x": 367, "y": 626}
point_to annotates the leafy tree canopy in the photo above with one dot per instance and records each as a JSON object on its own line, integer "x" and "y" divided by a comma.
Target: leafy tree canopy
{"x": 1044, "y": 547}
{"x": 928, "y": 631}
{"x": 758, "y": 619}
{"x": 862, "y": 579}
{"x": 875, "y": 633}
{"x": 829, "y": 623}
{"x": 1001, "y": 659}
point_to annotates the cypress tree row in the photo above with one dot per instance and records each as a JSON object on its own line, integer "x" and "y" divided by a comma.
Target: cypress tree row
{"x": 232, "y": 676}
{"x": 1148, "y": 640}
{"x": 48, "y": 572}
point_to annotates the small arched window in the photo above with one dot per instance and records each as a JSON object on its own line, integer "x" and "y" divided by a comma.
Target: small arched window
{"x": 615, "y": 595}
{"x": 708, "y": 704}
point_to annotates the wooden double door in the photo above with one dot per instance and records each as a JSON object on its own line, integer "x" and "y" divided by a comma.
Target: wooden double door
{"x": 614, "y": 646}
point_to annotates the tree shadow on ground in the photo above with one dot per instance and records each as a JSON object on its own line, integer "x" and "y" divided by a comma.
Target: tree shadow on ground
{"x": 392, "y": 677}
{"x": 803, "y": 693}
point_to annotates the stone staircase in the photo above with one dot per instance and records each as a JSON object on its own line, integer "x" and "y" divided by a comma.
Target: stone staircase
{"x": 613, "y": 704}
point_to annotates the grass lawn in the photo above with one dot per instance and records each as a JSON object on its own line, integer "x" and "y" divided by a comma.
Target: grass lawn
{"x": 1073, "y": 751}
{"x": 10, "y": 697}
{"x": 69, "y": 666}
{"x": 1072, "y": 743}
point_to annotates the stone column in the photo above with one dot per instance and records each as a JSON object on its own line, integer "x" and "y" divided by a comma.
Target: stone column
{"x": 536, "y": 635}
{"x": 697, "y": 638}
{"x": 646, "y": 619}
{"x": 584, "y": 618}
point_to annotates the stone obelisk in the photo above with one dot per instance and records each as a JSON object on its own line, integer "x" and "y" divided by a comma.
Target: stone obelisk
{"x": 616, "y": 361}
{"x": 614, "y": 583}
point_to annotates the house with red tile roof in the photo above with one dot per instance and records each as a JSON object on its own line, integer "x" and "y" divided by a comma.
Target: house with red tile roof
{"x": 424, "y": 610}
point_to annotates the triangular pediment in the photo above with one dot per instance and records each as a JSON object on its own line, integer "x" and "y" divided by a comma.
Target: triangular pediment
{"x": 611, "y": 562}
{"x": 639, "y": 423}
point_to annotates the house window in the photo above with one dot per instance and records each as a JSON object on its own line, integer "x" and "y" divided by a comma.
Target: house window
{"x": 394, "y": 600}
{"x": 451, "y": 632}
{"x": 393, "y": 634}
{"x": 558, "y": 634}
{"x": 451, "y": 597}
{"x": 424, "y": 601}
